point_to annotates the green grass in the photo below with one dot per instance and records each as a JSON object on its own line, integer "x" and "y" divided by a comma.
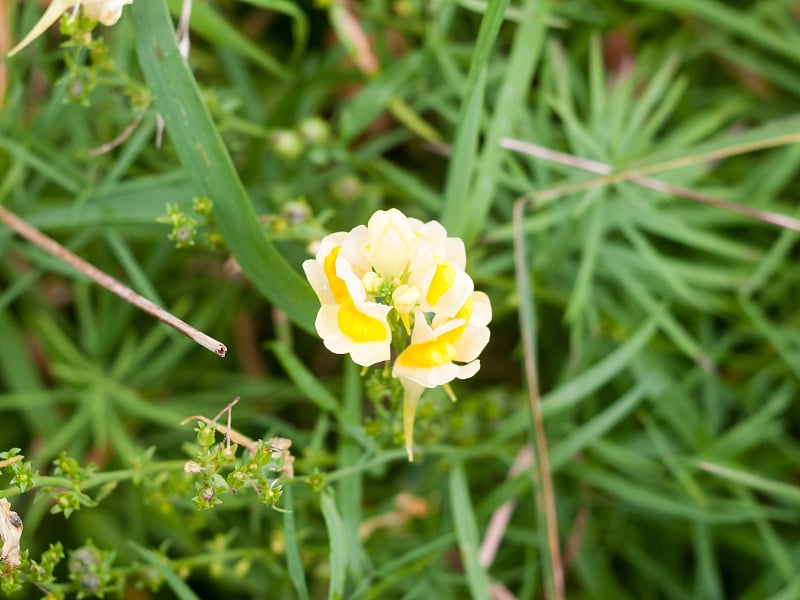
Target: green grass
{"x": 665, "y": 330}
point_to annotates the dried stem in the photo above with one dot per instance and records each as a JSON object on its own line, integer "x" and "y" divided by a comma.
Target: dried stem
{"x": 55, "y": 249}
{"x": 228, "y": 432}
{"x": 542, "y": 480}
{"x": 10, "y": 461}
{"x": 635, "y": 176}
{"x": 122, "y": 137}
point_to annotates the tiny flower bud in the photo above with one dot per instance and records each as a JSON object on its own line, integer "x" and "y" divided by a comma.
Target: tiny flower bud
{"x": 372, "y": 282}
{"x": 207, "y": 494}
{"x": 192, "y": 468}
{"x": 286, "y": 144}
{"x": 347, "y": 188}
{"x": 296, "y": 212}
{"x": 405, "y": 298}
{"x": 314, "y": 130}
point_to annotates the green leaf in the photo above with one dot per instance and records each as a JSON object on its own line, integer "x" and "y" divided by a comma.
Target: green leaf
{"x": 208, "y": 164}
{"x": 467, "y": 532}
{"x": 337, "y": 540}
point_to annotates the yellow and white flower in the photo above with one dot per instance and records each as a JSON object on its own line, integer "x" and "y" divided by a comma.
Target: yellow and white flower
{"x": 347, "y": 321}
{"x": 107, "y": 12}
{"x": 412, "y": 269}
{"x": 439, "y": 354}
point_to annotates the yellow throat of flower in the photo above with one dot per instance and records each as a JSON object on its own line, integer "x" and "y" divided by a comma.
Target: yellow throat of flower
{"x": 359, "y": 326}
{"x": 442, "y": 281}
{"x": 338, "y": 286}
{"x": 427, "y": 355}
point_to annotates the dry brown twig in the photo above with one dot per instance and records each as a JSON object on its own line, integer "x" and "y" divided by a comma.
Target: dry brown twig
{"x": 10, "y": 461}
{"x": 633, "y": 176}
{"x": 276, "y": 444}
{"x": 55, "y": 249}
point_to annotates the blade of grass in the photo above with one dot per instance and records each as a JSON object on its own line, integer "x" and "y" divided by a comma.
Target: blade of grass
{"x": 603, "y": 422}
{"x": 467, "y": 532}
{"x": 456, "y": 213}
{"x": 294, "y": 564}
{"x": 178, "y": 586}
{"x": 208, "y": 164}
{"x": 784, "y": 492}
{"x": 349, "y": 491}
{"x": 511, "y": 99}
{"x": 337, "y": 541}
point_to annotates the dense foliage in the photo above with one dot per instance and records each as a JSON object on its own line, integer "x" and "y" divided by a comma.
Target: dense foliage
{"x": 666, "y": 308}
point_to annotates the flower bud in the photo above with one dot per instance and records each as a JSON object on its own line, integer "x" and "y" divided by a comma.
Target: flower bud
{"x": 405, "y": 298}
{"x": 372, "y": 282}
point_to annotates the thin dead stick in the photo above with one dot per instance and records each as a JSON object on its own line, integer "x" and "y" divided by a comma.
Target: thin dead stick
{"x": 228, "y": 432}
{"x": 228, "y": 409}
{"x": 502, "y": 515}
{"x": 542, "y": 480}
{"x": 55, "y": 249}
{"x": 11, "y": 461}
{"x": 126, "y": 133}
{"x": 607, "y": 171}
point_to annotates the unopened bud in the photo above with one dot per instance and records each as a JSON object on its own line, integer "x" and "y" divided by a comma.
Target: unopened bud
{"x": 405, "y": 298}
{"x": 372, "y": 282}
{"x": 192, "y": 468}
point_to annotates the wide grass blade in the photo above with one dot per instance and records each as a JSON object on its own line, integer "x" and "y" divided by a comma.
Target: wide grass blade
{"x": 208, "y": 164}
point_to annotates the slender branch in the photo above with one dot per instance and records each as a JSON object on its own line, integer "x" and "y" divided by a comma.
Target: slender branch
{"x": 230, "y": 434}
{"x": 55, "y": 249}
{"x": 542, "y": 480}
{"x": 122, "y": 137}
{"x": 635, "y": 176}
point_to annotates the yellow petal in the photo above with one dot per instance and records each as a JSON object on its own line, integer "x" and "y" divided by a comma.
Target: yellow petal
{"x": 426, "y": 355}
{"x": 359, "y": 326}
{"x": 50, "y": 16}
{"x": 442, "y": 281}
{"x": 338, "y": 286}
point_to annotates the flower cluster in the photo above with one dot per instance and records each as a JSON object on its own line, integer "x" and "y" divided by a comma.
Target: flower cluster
{"x": 399, "y": 282}
{"x": 107, "y": 12}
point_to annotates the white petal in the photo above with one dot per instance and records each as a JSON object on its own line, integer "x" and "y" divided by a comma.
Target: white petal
{"x": 354, "y": 246}
{"x": 369, "y": 353}
{"x": 471, "y": 343}
{"x": 392, "y": 242}
{"x": 319, "y": 282}
{"x": 467, "y": 371}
